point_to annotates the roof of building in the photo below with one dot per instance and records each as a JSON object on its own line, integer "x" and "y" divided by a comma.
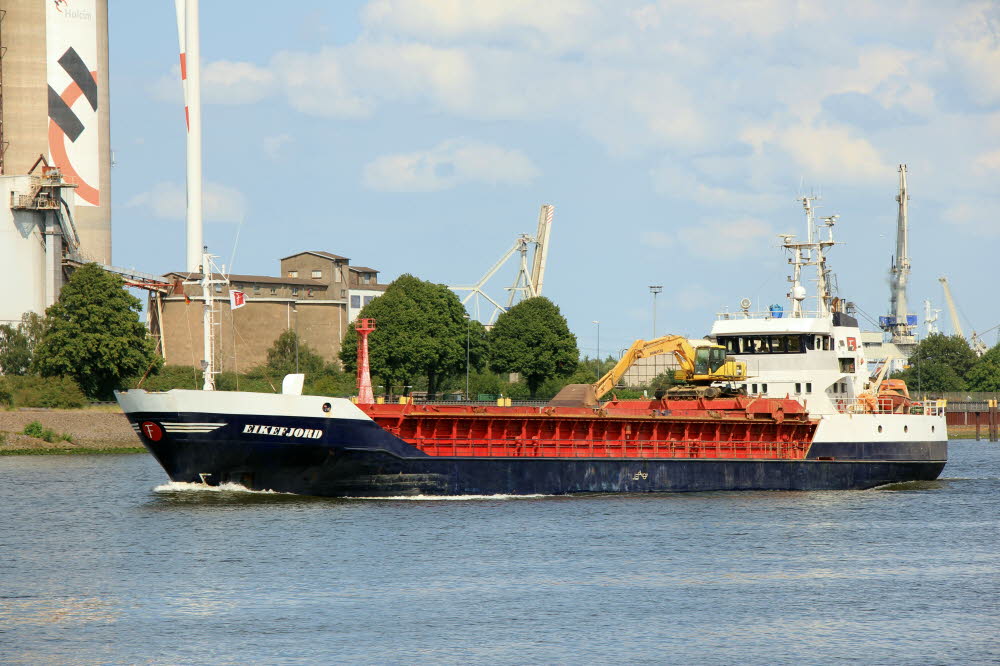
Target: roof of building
{"x": 259, "y": 279}
{"x": 369, "y": 287}
{"x": 363, "y": 269}
{"x": 319, "y": 253}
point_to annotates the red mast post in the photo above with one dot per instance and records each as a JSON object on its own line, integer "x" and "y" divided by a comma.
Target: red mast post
{"x": 365, "y": 395}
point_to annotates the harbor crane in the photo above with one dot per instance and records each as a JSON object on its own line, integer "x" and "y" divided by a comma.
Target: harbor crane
{"x": 528, "y": 283}
{"x": 975, "y": 339}
{"x": 900, "y": 324}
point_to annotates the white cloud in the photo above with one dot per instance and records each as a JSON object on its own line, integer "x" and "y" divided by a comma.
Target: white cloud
{"x": 976, "y": 218}
{"x": 832, "y": 154}
{"x": 168, "y": 200}
{"x": 222, "y": 82}
{"x": 671, "y": 180}
{"x": 447, "y": 165}
{"x": 656, "y": 239}
{"x": 972, "y": 47}
{"x": 553, "y": 23}
{"x": 713, "y": 238}
{"x": 988, "y": 163}
{"x": 725, "y": 238}
{"x": 317, "y": 84}
{"x": 274, "y": 145}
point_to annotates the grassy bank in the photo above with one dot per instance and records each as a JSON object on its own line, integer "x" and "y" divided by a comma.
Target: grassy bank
{"x": 99, "y": 429}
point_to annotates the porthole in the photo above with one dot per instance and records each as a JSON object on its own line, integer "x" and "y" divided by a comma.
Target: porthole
{"x": 906, "y": 428}
{"x": 880, "y": 428}
{"x": 327, "y": 407}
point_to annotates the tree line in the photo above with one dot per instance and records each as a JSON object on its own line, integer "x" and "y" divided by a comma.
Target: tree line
{"x": 942, "y": 363}
{"x": 92, "y": 342}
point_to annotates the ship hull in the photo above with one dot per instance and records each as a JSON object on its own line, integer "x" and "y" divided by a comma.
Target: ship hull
{"x": 357, "y": 472}
{"x": 329, "y": 447}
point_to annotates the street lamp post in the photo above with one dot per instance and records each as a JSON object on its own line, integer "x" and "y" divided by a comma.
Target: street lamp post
{"x": 598, "y": 348}
{"x": 468, "y": 327}
{"x": 654, "y": 289}
{"x": 296, "y": 311}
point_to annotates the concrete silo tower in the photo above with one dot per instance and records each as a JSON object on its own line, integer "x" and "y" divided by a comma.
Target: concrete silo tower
{"x": 54, "y": 103}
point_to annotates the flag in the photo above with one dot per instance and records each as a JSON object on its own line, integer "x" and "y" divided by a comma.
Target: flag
{"x": 237, "y": 299}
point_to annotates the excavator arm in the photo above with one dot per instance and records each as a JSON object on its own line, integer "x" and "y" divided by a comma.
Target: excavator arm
{"x": 701, "y": 365}
{"x": 668, "y": 344}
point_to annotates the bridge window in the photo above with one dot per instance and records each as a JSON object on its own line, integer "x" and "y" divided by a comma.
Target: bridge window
{"x": 847, "y": 365}
{"x": 794, "y": 344}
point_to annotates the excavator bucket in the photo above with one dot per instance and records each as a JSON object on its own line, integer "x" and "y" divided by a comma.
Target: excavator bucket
{"x": 575, "y": 395}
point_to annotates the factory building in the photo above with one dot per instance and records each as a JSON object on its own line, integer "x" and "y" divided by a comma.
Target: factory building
{"x": 313, "y": 295}
{"x": 55, "y": 154}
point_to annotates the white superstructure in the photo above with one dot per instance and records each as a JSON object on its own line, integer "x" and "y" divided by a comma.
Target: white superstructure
{"x": 813, "y": 352}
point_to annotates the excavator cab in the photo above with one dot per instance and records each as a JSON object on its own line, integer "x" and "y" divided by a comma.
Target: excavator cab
{"x": 708, "y": 360}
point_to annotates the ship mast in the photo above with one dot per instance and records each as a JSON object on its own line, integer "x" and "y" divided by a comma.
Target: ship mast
{"x": 810, "y": 253}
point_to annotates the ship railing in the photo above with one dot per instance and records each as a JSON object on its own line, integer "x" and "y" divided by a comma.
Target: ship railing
{"x": 767, "y": 314}
{"x": 794, "y": 448}
{"x": 888, "y": 405}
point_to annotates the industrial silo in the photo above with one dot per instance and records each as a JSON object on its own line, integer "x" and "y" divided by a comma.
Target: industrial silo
{"x": 54, "y": 103}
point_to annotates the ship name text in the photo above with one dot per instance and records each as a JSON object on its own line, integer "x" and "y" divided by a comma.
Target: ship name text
{"x": 282, "y": 431}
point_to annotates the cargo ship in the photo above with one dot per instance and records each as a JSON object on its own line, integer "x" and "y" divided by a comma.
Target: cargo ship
{"x": 772, "y": 400}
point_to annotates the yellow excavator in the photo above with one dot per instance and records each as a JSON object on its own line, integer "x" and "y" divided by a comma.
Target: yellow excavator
{"x": 702, "y": 364}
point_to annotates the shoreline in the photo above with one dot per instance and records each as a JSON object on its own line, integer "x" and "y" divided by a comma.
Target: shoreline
{"x": 99, "y": 429}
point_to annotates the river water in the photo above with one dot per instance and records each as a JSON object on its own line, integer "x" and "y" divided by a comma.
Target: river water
{"x": 103, "y": 562}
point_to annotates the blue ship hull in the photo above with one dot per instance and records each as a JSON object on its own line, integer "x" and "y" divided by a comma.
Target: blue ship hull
{"x": 355, "y": 458}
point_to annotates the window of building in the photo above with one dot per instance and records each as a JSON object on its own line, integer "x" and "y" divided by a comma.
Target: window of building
{"x": 293, "y": 274}
{"x": 218, "y": 288}
{"x": 355, "y": 301}
{"x": 317, "y": 274}
{"x": 343, "y": 293}
{"x": 256, "y": 289}
{"x": 309, "y": 293}
{"x": 274, "y": 290}
{"x": 336, "y": 273}
{"x": 368, "y": 299}
{"x": 295, "y": 291}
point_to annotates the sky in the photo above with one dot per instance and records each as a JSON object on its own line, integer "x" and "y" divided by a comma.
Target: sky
{"x": 673, "y": 138}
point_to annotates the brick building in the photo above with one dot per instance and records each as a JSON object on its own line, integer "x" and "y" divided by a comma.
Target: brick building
{"x": 313, "y": 295}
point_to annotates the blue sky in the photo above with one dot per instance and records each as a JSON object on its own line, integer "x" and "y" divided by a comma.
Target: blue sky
{"x": 673, "y": 138}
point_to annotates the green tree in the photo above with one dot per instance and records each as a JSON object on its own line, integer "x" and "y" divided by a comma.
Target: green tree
{"x": 985, "y": 374}
{"x": 93, "y": 334}
{"x": 533, "y": 339}
{"x": 17, "y": 344}
{"x": 939, "y": 363}
{"x": 420, "y": 330}
{"x": 282, "y": 354}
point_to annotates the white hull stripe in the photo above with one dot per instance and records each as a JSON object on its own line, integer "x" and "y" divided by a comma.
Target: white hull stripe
{"x": 190, "y": 427}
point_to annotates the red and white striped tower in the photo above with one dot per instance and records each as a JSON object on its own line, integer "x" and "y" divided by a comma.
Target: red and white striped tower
{"x": 365, "y": 395}
{"x": 190, "y": 42}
